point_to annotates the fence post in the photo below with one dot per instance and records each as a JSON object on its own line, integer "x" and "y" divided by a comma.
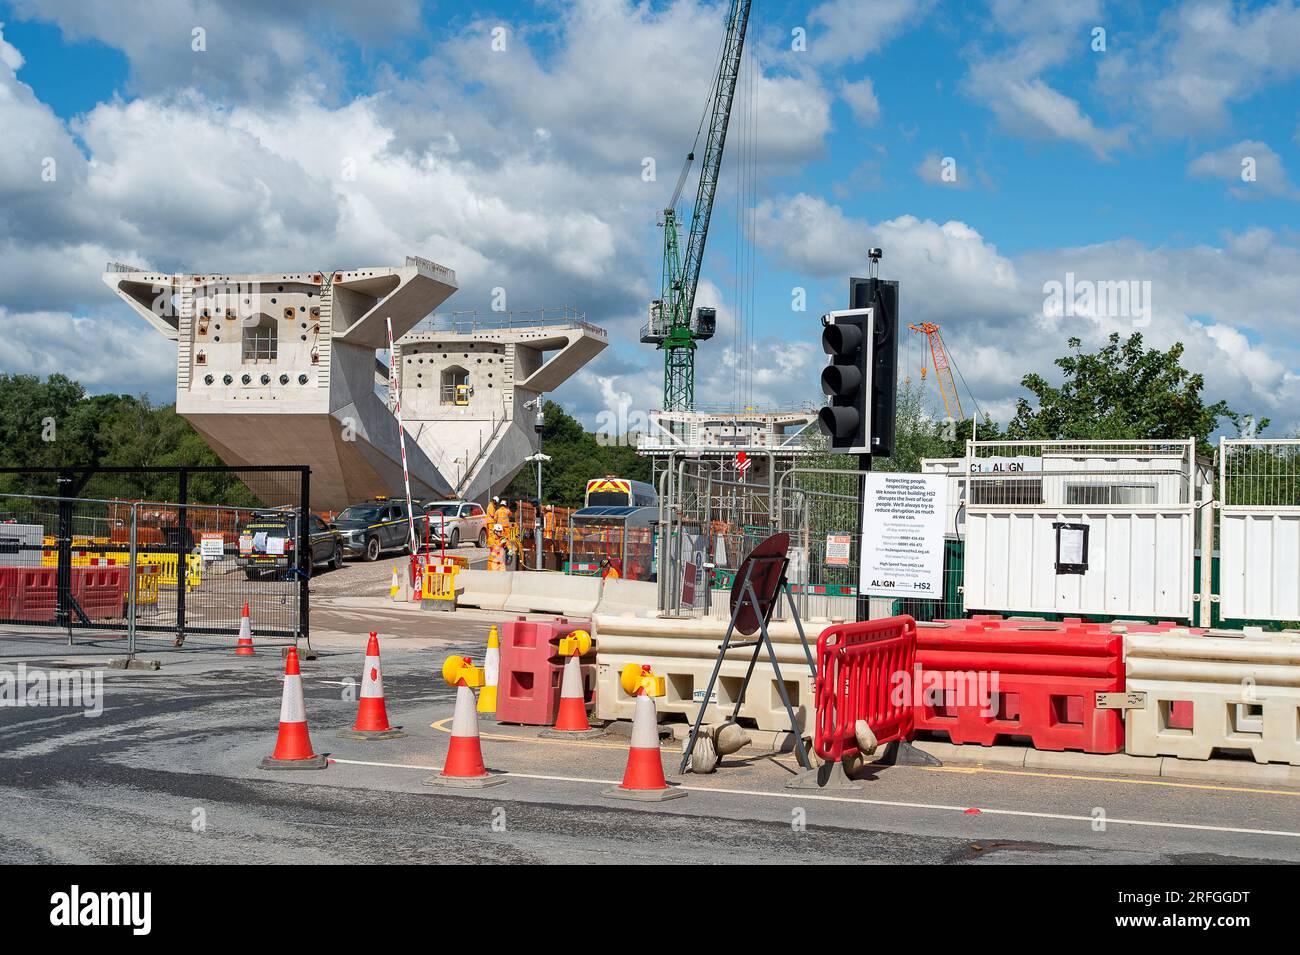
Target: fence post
{"x": 63, "y": 574}
{"x": 304, "y": 558}
{"x": 182, "y": 525}
{"x": 132, "y": 582}
{"x": 1206, "y": 601}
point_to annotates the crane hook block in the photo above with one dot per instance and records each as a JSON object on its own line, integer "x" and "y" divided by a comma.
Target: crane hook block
{"x": 458, "y": 670}
{"x": 575, "y": 644}
{"x": 637, "y": 678}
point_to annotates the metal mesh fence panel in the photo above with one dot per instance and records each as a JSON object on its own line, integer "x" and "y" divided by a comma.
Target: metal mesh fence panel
{"x": 74, "y": 561}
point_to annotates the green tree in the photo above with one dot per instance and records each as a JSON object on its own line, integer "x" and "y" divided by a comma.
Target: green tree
{"x": 55, "y": 424}
{"x": 1122, "y": 391}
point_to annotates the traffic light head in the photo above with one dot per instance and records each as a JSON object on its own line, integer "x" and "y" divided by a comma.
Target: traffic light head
{"x": 846, "y": 338}
{"x": 861, "y": 377}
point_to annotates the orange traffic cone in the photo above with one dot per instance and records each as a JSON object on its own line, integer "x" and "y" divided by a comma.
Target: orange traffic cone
{"x": 372, "y": 715}
{"x": 571, "y": 721}
{"x": 644, "y": 778}
{"x": 293, "y": 745}
{"x": 464, "y": 767}
{"x": 244, "y": 645}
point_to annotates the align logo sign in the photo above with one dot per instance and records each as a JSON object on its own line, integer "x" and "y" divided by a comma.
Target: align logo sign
{"x": 77, "y": 908}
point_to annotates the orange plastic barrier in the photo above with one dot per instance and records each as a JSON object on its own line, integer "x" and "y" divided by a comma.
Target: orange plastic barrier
{"x": 858, "y": 669}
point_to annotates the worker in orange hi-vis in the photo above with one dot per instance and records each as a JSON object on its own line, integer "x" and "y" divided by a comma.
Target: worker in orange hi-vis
{"x": 492, "y": 513}
{"x": 548, "y": 522}
{"x": 496, "y": 548}
{"x": 509, "y": 534}
{"x": 608, "y": 570}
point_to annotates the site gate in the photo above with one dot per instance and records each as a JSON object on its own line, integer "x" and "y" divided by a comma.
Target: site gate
{"x": 817, "y": 506}
{"x": 88, "y": 552}
{"x": 1259, "y": 529}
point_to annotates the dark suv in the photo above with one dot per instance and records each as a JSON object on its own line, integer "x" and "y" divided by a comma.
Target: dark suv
{"x": 371, "y": 528}
{"x": 267, "y": 543}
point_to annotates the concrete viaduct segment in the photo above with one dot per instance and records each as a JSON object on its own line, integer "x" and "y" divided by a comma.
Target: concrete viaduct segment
{"x": 279, "y": 368}
{"x": 465, "y": 383}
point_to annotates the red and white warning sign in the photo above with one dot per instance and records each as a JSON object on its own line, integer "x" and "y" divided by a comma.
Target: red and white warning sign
{"x": 837, "y": 550}
{"x": 742, "y": 464}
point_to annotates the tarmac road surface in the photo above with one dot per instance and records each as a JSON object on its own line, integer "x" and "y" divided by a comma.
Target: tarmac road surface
{"x": 169, "y": 773}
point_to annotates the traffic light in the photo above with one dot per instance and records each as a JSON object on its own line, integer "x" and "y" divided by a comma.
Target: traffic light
{"x": 882, "y": 298}
{"x": 846, "y": 380}
{"x": 861, "y": 377}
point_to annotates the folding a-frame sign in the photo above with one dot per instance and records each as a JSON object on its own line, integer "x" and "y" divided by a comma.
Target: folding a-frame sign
{"x": 757, "y": 589}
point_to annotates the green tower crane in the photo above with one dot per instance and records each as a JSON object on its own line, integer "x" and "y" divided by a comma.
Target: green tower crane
{"x": 674, "y": 325}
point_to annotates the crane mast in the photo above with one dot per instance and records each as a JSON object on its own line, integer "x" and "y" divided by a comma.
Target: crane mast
{"x": 942, "y": 369}
{"x": 671, "y": 327}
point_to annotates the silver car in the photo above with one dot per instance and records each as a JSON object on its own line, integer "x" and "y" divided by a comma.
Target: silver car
{"x": 456, "y": 522}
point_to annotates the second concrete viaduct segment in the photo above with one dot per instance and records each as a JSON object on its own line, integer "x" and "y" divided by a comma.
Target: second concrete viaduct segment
{"x": 279, "y": 368}
{"x": 465, "y": 380}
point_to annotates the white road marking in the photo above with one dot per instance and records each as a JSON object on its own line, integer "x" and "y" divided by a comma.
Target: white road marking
{"x": 938, "y": 807}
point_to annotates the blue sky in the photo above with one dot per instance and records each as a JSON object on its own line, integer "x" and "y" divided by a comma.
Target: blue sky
{"x": 521, "y": 169}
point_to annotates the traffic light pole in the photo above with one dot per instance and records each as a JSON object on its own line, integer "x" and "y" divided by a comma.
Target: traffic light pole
{"x": 860, "y": 380}
{"x": 863, "y": 602}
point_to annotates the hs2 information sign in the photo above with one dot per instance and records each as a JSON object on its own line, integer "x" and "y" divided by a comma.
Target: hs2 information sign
{"x": 902, "y": 535}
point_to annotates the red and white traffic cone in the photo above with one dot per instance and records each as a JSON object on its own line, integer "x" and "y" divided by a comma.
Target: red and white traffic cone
{"x": 244, "y": 645}
{"x": 571, "y": 720}
{"x": 293, "y": 745}
{"x": 464, "y": 767}
{"x": 644, "y": 778}
{"x": 372, "y": 715}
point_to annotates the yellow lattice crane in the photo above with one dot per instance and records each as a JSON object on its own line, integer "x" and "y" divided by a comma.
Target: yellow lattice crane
{"x": 942, "y": 370}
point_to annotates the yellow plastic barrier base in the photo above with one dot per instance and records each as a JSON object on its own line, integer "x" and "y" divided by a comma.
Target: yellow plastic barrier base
{"x": 438, "y": 591}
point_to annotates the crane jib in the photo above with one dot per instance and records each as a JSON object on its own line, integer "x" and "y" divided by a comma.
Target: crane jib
{"x": 681, "y": 274}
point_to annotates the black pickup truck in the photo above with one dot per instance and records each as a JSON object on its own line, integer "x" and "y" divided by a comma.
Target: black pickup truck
{"x": 268, "y": 542}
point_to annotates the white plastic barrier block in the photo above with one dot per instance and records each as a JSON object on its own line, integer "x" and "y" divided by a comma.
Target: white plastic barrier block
{"x": 684, "y": 651}
{"x": 1211, "y": 692}
{"x": 485, "y": 589}
{"x": 550, "y": 592}
{"x": 629, "y": 597}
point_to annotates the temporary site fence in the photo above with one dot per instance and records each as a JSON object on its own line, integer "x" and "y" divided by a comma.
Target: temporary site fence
{"x": 1098, "y": 527}
{"x": 710, "y": 519}
{"x": 1101, "y": 530}
{"x": 110, "y": 571}
{"x": 1259, "y": 529}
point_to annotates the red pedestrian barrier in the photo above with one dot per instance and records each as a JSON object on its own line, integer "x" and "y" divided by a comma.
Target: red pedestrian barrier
{"x": 30, "y": 594}
{"x": 983, "y": 678}
{"x": 528, "y": 687}
{"x": 8, "y": 592}
{"x": 36, "y": 595}
{"x": 100, "y": 591}
{"x": 858, "y": 668}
